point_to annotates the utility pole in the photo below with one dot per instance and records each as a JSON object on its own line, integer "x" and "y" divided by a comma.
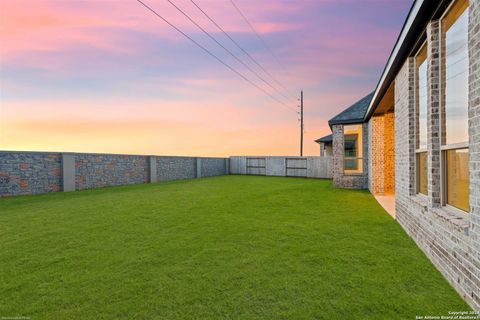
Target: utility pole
{"x": 301, "y": 123}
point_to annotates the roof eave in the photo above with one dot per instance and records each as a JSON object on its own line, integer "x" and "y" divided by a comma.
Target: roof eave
{"x": 421, "y": 11}
{"x": 349, "y": 121}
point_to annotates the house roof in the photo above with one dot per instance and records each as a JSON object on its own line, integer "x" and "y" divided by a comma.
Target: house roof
{"x": 353, "y": 114}
{"x": 325, "y": 139}
{"x": 410, "y": 38}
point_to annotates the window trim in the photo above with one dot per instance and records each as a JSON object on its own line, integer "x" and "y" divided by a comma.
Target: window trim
{"x": 444, "y": 148}
{"x": 359, "y": 145}
{"x": 423, "y": 46}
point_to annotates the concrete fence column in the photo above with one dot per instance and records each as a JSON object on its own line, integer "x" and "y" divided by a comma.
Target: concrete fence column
{"x": 227, "y": 166}
{"x": 68, "y": 172}
{"x": 153, "y": 169}
{"x": 199, "y": 167}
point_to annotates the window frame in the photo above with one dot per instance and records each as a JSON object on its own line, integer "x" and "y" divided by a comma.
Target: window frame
{"x": 418, "y": 150}
{"x": 359, "y": 145}
{"x": 444, "y": 147}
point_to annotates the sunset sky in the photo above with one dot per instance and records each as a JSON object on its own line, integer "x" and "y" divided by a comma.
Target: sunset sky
{"x": 109, "y": 76}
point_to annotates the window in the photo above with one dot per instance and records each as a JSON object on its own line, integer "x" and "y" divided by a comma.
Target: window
{"x": 421, "y": 119}
{"x": 353, "y": 160}
{"x": 454, "y": 132}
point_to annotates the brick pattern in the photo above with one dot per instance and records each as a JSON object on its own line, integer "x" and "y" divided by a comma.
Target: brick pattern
{"x": 23, "y": 173}
{"x": 474, "y": 120}
{"x": 341, "y": 180}
{"x": 377, "y": 152}
{"x": 449, "y": 239}
{"x": 389, "y": 153}
{"x": 382, "y": 154}
{"x": 433, "y": 113}
{"x": 105, "y": 170}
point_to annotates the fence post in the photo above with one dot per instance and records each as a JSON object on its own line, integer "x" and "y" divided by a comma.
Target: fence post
{"x": 153, "y": 169}
{"x": 227, "y": 166}
{"x": 68, "y": 172}
{"x": 199, "y": 167}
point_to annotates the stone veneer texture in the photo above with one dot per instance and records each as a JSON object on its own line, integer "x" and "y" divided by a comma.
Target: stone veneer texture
{"x": 23, "y": 173}
{"x": 176, "y": 168}
{"x": 213, "y": 166}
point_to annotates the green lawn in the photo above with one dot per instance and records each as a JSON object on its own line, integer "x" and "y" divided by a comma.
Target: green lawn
{"x": 231, "y": 247}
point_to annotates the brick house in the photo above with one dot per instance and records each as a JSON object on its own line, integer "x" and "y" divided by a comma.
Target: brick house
{"x": 325, "y": 145}
{"x": 416, "y": 138}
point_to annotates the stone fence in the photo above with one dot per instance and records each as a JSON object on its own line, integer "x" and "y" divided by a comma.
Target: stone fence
{"x": 23, "y": 173}
{"x": 308, "y": 167}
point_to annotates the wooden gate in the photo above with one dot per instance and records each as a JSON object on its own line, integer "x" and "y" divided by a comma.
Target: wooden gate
{"x": 296, "y": 167}
{"x": 256, "y": 166}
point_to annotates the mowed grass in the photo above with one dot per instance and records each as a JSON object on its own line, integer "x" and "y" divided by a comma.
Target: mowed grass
{"x": 232, "y": 247}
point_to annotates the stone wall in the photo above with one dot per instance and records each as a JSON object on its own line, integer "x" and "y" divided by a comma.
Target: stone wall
{"x": 448, "y": 237}
{"x": 106, "y": 170}
{"x": 176, "y": 168}
{"x": 351, "y": 180}
{"x": 24, "y": 173}
{"x": 213, "y": 166}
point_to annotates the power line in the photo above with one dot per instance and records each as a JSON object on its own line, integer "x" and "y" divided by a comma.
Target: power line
{"x": 220, "y": 44}
{"x": 212, "y": 54}
{"x": 263, "y": 42}
{"x": 240, "y": 47}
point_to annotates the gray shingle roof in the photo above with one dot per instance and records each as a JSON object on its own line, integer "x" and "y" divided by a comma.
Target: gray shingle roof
{"x": 353, "y": 114}
{"x": 326, "y": 139}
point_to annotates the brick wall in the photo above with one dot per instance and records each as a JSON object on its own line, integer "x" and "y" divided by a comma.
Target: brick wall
{"x": 377, "y": 151}
{"x": 449, "y": 238}
{"x": 381, "y": 163}
{"x": 341, "y": 180}
{"x": 474, "y": 119}
{"x": 389, "y": 153}
{"x": 24, "y": 173}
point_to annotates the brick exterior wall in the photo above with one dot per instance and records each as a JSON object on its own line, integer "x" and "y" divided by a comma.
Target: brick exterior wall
{"x": 449, "y": 238}
{"x": 106, "y": 170}
{"x": 23, "y": 173}
{"x": 376, "y": 163}
{"x": 325, "y": 149}
{"x": 341, "y": 180}
{"x": 381, "y": 162}
{"x": 389, "y": 153}
{"x": 474, "y": 120}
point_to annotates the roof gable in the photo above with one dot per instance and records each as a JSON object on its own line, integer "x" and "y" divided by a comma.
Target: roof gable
{"x": 325, "y": 139}
{"x": 353, "y": 114}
